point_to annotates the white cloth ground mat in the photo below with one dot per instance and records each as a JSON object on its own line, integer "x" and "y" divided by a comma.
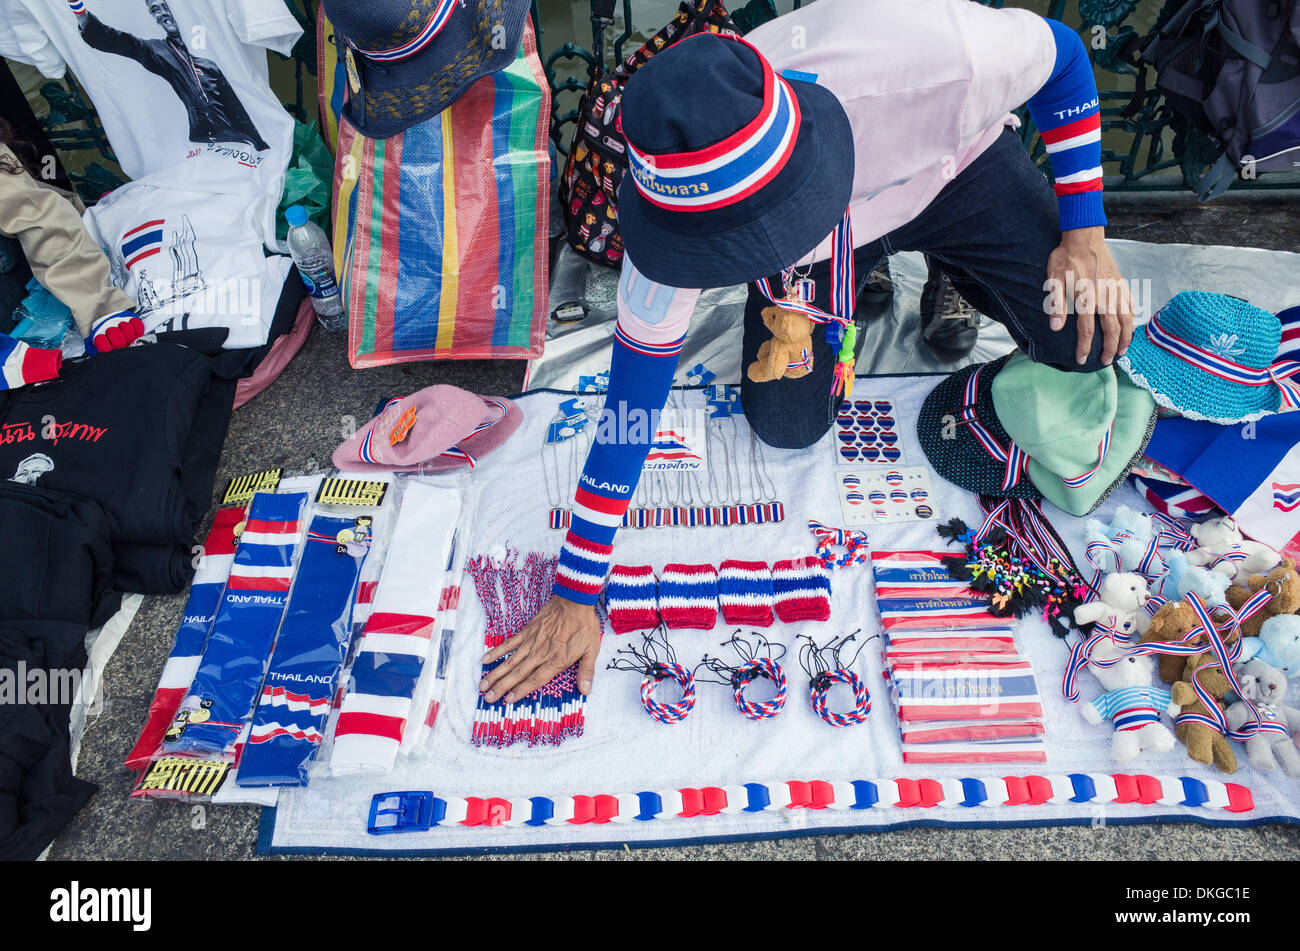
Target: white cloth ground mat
{"x": 625, "y": 751}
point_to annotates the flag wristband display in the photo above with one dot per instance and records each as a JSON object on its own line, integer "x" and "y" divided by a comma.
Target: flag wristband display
{"x": 419, "y": 811}
{"x": 803, "y": 590}
{"x": 688, "y": 597}
{"x": 746, "y": 674}
{"x": 745, "y": 593}
{"x": 821, "y": 688}
{"x": 631, "y": 598}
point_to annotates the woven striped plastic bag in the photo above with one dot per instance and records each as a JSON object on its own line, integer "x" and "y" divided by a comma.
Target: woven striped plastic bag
{"x": 440, "y": 232}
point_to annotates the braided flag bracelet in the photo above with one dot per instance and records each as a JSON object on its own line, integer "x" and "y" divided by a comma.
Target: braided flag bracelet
{"x": 668, "y": 712}
{"x": 419, "y": 811}
{"x": 746, "y": 674}
{"x": 821, "y": 687}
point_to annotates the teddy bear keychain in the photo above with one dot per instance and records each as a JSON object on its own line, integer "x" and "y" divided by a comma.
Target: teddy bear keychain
{"x": 789, "y": 352}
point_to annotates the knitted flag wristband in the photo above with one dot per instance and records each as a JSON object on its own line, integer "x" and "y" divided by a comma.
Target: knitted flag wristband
{"x": 688, "y": 596}
{"x": 630, "y": 599}
{"x": 803, "y": 590}
{"x": 745, "y": 593}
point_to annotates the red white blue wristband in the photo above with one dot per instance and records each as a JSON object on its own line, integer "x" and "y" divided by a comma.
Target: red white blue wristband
{"x": 419, "y": 811}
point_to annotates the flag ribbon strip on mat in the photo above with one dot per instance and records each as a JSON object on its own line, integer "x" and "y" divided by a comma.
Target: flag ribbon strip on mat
{"x": 416, "y": 811}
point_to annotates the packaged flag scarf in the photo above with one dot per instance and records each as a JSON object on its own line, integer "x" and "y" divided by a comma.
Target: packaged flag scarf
{"x": 443, "y": 227}
{"x": 926, "y": 691}
{"x": 287, "y": 725}
{"x": 908, "y": 611}
{"x": 396, "y": 641}
{"x": 920, "y": 570}
{"x": 200, "y": 608}
{"x": 234, "y": 660}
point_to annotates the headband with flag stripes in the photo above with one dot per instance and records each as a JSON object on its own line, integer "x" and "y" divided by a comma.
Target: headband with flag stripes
{"x": 1281, "y": 373}
{"x": 441, "y": 14}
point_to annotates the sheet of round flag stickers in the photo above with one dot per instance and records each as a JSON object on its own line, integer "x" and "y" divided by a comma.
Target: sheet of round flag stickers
{"x": 961, "y": 688}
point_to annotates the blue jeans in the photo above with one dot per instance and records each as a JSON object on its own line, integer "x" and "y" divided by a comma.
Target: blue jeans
{"x": 991, "y": 229}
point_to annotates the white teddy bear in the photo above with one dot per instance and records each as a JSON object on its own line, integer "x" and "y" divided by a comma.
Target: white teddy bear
{"x": 1120, "y": 605}
{"x": 1217, "y": 537}
{"x": 1130, "y": 702}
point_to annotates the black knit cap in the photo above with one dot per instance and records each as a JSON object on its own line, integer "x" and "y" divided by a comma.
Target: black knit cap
{"x": 962, "y": 459}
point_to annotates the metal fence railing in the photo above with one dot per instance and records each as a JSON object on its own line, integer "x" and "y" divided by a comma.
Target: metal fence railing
{"x": 1153, "y": 149}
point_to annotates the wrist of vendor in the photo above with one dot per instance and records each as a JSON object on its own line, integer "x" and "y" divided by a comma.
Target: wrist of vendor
{"x": 1081, "y": 210}
{"x": 565, "y": 593}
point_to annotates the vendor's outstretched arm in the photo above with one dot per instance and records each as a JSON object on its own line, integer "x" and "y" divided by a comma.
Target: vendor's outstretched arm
{"x": 652, "y": 320}
{"x": 1067, "y": 112}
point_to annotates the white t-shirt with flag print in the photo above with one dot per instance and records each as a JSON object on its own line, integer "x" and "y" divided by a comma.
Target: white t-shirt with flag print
{"x": 183, "y": 244}
{"x": 172, "y": 80}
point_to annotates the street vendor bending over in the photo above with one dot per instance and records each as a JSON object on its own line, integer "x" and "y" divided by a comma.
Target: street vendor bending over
{"x": 799, "y": 157}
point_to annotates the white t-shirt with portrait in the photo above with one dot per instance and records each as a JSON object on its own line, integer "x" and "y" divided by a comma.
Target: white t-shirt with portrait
{"x": 172, "y": 80}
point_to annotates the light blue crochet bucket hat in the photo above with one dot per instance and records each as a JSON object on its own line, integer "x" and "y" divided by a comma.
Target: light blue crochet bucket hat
{"x": 1211, "y": 357}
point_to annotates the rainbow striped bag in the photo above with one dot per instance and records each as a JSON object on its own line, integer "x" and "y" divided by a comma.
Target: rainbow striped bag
{"x": 440, "y": 232}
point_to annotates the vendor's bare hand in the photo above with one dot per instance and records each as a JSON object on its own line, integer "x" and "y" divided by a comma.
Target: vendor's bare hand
{"x": 1101, "y": 296}
{"x": 563, "y": 633}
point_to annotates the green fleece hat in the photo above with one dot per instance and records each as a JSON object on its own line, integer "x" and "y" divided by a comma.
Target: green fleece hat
{"x": 1083, "y": 432}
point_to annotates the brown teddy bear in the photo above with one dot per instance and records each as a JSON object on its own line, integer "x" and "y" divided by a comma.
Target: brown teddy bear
{"x": 789, "y": 352}
{"x": 1282, "y": 582}
{"x": 1204, "y": 743}
{"x": 1171, "y": 622}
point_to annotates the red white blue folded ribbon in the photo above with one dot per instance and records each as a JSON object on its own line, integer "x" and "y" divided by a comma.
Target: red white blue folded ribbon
{"x": 419, "y": 811}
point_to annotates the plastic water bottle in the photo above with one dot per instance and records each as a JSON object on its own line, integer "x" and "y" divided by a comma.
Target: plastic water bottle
{"x": 311, "y": 252}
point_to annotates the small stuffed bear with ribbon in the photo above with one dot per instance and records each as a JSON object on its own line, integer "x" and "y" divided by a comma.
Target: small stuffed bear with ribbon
{"x": 1265, "y": 687}
{"x": 1130, "y": 702}
{"x": 789, "y": 352}
{"x": 1120, "y": 606}
{"x": 1221, "y": 547}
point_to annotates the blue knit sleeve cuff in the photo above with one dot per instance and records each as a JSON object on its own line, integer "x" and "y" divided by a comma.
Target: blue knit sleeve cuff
{"x": 1081, "y": 210}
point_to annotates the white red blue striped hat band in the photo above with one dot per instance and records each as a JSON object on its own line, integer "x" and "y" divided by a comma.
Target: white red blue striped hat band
{"x": 1281, "y": 373}
{"x": 720, "y": 149}
{"x": 437, "y": 20}
{"x": 1081, "y": 480}
{"x": 1012, "y": 457}
{"x": 729, "y": 171}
